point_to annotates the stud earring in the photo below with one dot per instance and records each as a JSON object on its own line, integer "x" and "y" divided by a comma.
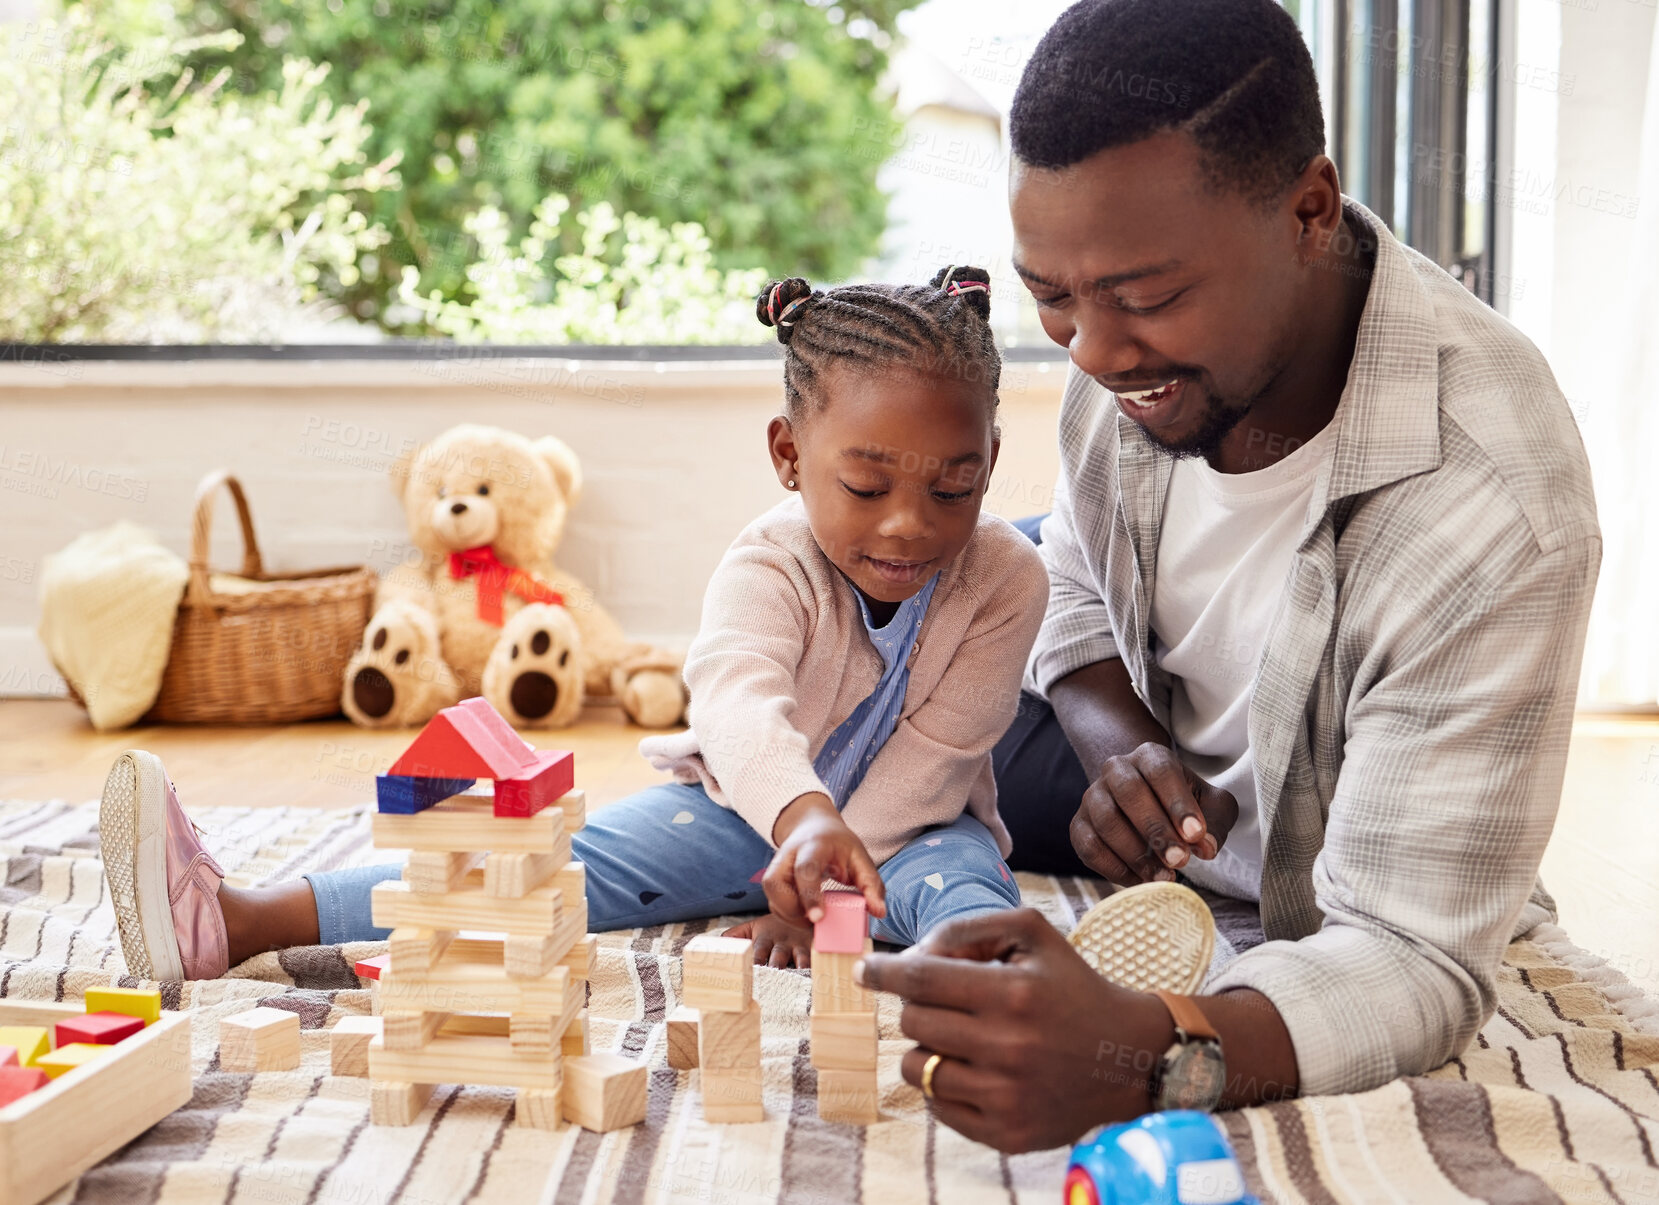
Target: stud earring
{"x": 790, "y": 484}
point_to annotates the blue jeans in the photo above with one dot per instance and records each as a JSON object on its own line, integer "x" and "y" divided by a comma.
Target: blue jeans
{"x": 669, "y": 853}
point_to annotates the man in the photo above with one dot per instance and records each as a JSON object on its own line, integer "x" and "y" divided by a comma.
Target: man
{"x": 1321, "y": 561}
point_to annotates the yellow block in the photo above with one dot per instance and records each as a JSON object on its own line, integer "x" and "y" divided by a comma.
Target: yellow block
{"x": 131, "y": 1001}
{"x": 31, "y": 1042}
{"x": 67, "y": 1058}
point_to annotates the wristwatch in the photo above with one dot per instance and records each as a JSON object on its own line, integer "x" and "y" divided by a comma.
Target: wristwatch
{"x": 1192, "y": 1072}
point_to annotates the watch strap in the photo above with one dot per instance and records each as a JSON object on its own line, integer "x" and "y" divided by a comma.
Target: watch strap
{"x": 1188, "y": 1017}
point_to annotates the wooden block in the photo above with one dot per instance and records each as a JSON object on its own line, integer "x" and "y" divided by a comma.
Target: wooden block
{"x": 432, "y": 873}
{"x": 465, "y": 1058}
{"x": 396, "y": 1103}
{"x": 67, "y": 1058}
{"x": 469, "y": 979}
{"x": 845, "y": 926}
{"x": 97, "y": 1029}
{"x": 540, "y": 1031}
{"x": 30, "y": 1041}
{"x": 733, "y": 1096}
{"x": 682, "y": 1038}
{"x": 574, "y": 805}
{"x": 604, "y": 1092}
{"x": 583, "y": 958}
{"x": 848, "y": 1096}
{"x": 393, "y": 906}
{"x": 370, "y": 968}
{"x": 261, "y": 1039}
{"x": 348, "y": 1045}
{"x": 416, "y": 949}
{"x": 541, "y": 1108}
{"x": 717, "y": 974}
{"x": 728, "y": 1040}
{"x": 469, "y": 822}
{"x": 400, "y": 795}
{"x": 8, "y": 1057}
{"x": 55, "y": 1133}
{"x": 833, "y": 989}
{"x": 144, "y": 1003}
{"x": 844, "y": 1041}
{"x": 410, "y": 1028}
{"x": 20, "y": 1081}
{"x": 514, "y": 875}
{"x": 546, "y": 780}
{"x": 470, "y": 738}
{"x": 575, "y": 1038}
{"x": 570, "y": 946}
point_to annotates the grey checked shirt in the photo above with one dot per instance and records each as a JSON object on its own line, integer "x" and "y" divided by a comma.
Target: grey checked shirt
{"x": 1413, "y": 703}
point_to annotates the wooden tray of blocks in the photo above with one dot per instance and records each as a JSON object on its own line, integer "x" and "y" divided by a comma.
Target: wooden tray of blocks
{"x": 94, "y": 1101}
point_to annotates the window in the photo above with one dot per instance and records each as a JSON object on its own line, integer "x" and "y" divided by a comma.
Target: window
{"x": 1411, "y": 112}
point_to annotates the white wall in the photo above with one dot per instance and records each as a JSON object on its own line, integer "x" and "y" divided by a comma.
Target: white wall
{"x": 674, "y": 457}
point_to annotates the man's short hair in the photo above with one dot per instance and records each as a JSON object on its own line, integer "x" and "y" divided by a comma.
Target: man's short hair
{"x": 1233, "y": 74}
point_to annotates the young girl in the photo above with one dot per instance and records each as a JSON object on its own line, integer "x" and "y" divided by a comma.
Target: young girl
{"x": 860, "y": 653}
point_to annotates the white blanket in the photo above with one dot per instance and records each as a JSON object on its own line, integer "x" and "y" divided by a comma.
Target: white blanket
{"x": 107, "y": 605}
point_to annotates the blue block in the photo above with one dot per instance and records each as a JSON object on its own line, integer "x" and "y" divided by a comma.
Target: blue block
{"x": 406, "y": 795}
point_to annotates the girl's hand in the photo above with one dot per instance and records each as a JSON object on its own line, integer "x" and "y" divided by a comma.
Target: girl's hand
{"x": 777, "y": 943}
{"x": 814, "y": 843}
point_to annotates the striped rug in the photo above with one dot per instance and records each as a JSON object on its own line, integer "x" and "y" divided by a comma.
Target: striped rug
{"x": 1556, "y": 1100}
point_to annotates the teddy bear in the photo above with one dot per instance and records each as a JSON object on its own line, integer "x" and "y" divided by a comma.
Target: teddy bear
{"x": 479, "y": 607}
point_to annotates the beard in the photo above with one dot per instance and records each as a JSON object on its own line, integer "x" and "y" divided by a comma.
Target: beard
{"x": 1219, "y": 419}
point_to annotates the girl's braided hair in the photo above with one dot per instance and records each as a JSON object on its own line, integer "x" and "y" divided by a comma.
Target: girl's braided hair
{"x": 938, "y": 329}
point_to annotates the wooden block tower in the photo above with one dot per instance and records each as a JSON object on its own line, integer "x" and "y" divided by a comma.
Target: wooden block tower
{"x": 718, "y": 984}
{"x": 507, "y": 1009}
{"x": 844, "y": 1036}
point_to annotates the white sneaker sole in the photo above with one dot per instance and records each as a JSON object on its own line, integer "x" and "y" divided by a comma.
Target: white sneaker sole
{"x": 132, "y": 828}
{"x": 1150, "y": 937}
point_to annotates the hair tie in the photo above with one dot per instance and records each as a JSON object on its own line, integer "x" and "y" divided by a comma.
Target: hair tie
{"x": 958, "y": 287}
{"x": 772, "y": 303}
{"x": 783, "y": 318}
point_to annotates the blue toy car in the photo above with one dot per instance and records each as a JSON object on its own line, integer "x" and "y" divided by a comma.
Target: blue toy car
{"x": 1175, "y": 1158}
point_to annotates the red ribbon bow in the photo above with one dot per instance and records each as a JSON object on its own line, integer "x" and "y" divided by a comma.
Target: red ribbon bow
{"x": 494, "y": 577}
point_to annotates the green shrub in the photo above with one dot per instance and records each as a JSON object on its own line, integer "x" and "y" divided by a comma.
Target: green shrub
{"x": 133, "y": 213}
{"x": 758, "y": 119}
{"x": 633, "y": 280}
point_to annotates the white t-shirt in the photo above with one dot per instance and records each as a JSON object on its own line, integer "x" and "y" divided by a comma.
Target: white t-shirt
{"x": 1224, "y": 551}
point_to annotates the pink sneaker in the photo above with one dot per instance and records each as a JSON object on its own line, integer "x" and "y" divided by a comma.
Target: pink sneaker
{"x": 164, "y": 885}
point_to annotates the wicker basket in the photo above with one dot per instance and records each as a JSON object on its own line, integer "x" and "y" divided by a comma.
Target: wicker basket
{"x": 270, "y": 651}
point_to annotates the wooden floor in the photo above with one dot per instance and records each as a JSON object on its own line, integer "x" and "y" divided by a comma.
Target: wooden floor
{"x": 1602, "y": 864}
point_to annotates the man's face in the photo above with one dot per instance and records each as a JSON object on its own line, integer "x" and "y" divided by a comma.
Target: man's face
{"x": 1178, "y": 299}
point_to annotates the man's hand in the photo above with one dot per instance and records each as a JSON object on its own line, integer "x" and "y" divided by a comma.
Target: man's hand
{"x": 1146, "y": 814}
{"x": 1037, "y": 1047}
{"x": 814, "y": 843}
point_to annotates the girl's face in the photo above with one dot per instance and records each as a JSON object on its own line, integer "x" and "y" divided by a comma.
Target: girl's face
{"x": 892, "y": 470}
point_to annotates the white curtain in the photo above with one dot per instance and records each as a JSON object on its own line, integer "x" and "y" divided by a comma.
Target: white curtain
{"x": 1621, "y": 658}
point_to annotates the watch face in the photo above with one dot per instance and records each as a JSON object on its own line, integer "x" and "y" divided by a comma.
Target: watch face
{"x": 1194, "y": 1074}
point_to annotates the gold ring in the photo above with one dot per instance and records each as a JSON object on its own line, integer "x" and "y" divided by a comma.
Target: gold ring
{"x": 928, "y": 1068}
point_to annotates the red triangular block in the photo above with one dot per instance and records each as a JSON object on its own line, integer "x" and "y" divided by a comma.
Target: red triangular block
{"x": 549, "y": 778}
{"x": 469, "y": 740}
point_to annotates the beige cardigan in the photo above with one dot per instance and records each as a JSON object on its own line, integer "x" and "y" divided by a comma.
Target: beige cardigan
{"x": 782, "y": 658}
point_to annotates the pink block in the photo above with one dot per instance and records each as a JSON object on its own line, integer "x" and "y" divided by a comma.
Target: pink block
{"x": 19, "y": 1081}
{"x": 8, "y": 1056}
{"x": 845, "y": 924}
{"x": 550, "y": 777}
